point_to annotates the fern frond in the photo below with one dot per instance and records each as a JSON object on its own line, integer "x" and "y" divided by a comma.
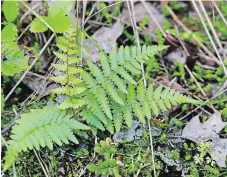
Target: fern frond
{"x": 41, "y": 128}
{"x": 67, "y": 54}
{"x": 162, "y": 99}
{"x": 104, "y": 103}
{"x": 96, "y": 72}
{"x": 111, "y": 95}
{"x": 112, "y": 92}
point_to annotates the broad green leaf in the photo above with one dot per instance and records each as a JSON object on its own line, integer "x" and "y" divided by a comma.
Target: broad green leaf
{"x": 37, "y": 26}
{"x": 59, "y": 6}
{"x": 60, "y": 22}
{"x": 10, "y": 10}
{"x": 9, "y": 32}
{"x": 14, "y": 60}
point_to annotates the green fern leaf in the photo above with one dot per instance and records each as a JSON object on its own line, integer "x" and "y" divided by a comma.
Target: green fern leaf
{"x": 93, "y": 120}
{"x": 41, "y": 127}
{"x": 93, "y": 105}
{"x": 104, "y": 103}
{"x": 72, "y": 103}
{"x": 96, "y": 72}
{"x": 117, "y": 117}
{"x": 127, "y": 113}
{"x": 119, "y": 83}
{"x": 112, "y": 92}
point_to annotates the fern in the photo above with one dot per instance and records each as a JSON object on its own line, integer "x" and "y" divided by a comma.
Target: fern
{"x": 71, "y": 84}
{"x": 41, "y": 128}
{"x": 114, "y": 72}
{"x": 107, "y": 92}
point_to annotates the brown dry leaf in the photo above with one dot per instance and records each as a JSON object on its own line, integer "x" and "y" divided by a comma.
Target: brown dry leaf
{"x": 106, "y": 39}
{"x": 164, "y": 80}
{"x": 140, "y": 13}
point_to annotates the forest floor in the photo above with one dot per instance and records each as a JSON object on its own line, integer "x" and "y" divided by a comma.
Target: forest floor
{"x": 188, "y": 140}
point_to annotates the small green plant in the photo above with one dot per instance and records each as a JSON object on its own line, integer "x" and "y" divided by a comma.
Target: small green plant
{"x": 14, "y": 60}
{"x": 175, "y": 155}
{"x": 109, "y": 165}
{"x": 10, "y": 10}
{"x": 105, "y": 12}
{"x": 203, "y": 149}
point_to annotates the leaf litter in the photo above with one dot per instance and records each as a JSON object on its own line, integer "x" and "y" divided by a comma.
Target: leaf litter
{"x": 202, "y": 132}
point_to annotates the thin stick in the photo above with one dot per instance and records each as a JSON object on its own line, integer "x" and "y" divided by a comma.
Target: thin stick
{"x": 211, "y": 27}
{"x": 29, "y": 10}
{"x": 144, "y": 79}
{"x": 176, "y": 19}
{"x": 197, "y": 83}
{"x": 37, "y": 15}
{"x": 215, "y": 96}
{"x": 44, "y": 170}
{"x": 31, "y": 66}
{"x": 220, "y": 13}
{"x": 208, "y": 34}
{"x": 145, "y": 165}
{"x": 153, "y": 18}
{"x": 90, "y": 16}
{"x": 23, "y": 32}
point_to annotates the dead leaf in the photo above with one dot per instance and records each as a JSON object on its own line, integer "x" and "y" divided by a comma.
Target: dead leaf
{"x": 106, "y": 39}
{"x": 218, "y": 151}
{"x": 183, "y": 51}
{"x": 35, "y": 82}
{"x": 177, "y": 55}
{"x": 194, "y": 131}
{"x": 140, "y": 13}
{"x": 198, "y": 132}
{"x": 215, "y": 122}
{"x": 209, "y": 130}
